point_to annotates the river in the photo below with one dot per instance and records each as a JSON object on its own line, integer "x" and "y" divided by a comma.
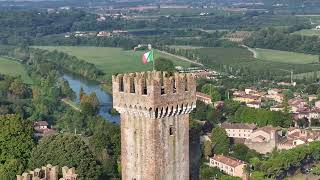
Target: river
{"x": 105, "y": 99}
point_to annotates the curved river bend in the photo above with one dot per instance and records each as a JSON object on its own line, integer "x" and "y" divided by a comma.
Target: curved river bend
{"x": 76, "y": 82}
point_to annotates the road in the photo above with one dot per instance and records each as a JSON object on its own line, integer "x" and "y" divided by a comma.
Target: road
{"x": 67, "y": 101}
{"x": 181, "y": 58}
{"x": 255, "y": 53}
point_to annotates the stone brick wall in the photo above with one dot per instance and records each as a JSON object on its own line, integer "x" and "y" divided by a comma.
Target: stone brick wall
{"x": 154, "y": 108}
{"x": 49, "y": 172}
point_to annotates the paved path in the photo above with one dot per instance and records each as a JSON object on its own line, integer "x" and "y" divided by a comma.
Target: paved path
{"x": 255, "y": 53}
{"x": 181, "y": 58}
{"x": 67, "y": 101}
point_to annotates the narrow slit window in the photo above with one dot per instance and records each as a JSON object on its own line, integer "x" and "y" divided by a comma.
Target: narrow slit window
{"x": 121, "y": 88}
{"x": 171, "y": 130}
{"x": 144, "y": 87}
{"x": 132, "y": 86}
{"x": 186, "y": 84}
{"x": 162, "y": 86}
{"x": 174, "y": 86}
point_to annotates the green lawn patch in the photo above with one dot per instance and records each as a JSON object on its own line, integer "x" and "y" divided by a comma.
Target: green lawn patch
{"x": 112, "y": 60}
{"x": 14, "y": 68}
{"x": 285, "y": 56}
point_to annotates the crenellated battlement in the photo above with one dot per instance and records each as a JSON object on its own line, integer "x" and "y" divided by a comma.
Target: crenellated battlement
{"x": 156, "y": 94}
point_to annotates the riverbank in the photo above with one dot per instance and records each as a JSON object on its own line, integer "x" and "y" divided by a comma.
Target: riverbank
{"x": 104, "y": 96}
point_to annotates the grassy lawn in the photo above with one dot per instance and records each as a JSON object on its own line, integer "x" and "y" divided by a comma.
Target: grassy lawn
{"x": 308, "y": 32}
{"x": 285, "y": 56}
{"x": 112, "y": 60}
{"x": 13, "y": 68}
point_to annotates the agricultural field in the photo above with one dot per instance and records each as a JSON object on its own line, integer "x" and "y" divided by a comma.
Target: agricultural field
{"x": 14, "y": 68}
{"x": 285, "y": 56}
{"x": 241, "y": 60}
{"x": 226, "y": 55}
{"x": 238, "y": 36}
{"x": 113, "y": 60}
{"x": 308, "y": 32}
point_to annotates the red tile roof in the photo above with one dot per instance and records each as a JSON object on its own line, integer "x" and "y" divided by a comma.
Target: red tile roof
{"x": 41, "y": 123}
{"x": 238, "y": 126}
{"x": 228, "y": 160}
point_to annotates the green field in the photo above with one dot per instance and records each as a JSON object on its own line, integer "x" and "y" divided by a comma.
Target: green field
{"x": 285, "y": 56}
{"x": 226, "y": 55}
{"x": 112, "y": 60}
{"x": 13, "y": 68}
{"x": 308, "y": 32}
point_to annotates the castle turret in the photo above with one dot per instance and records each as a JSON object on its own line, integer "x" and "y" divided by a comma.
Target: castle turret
{"x": 154, "y": 108}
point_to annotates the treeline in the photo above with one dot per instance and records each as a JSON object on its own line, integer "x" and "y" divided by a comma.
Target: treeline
{"x": 285, "y": 163}
{"x": 282, "y": 39}
{"x": 44, "y": 60}
{"x": 262, "y": 117}
{"x": 23, "y": 26}
{"x": 128, "y": 42}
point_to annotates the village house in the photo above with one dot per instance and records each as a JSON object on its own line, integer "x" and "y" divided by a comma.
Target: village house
{"x": 228, "y": 165}
{"x": 306, "y": 113}
{"x": 317, "y": 104}
{"x": 203, "y": 98}
{"x": 41, "y": 129}
{"x": 312, "y": 97}
{"x": 263, "y": 139}
{"x": 238, "y": 130}
{"x": 275, "y": 94}
{"x": 247, "y": 98}
{"x": 254, "y": 104}
{"x": 278, "y": 107}
{"x": 296, "y": 104}
{"x": 218, "y": 104}
{"x": 296, "y": 137}
{"x": 104, "y": 34}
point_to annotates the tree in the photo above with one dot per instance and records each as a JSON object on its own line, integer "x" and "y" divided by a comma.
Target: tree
{"x": 162, "y": 64}
{"x": 220, "y": 141}
{"x": 18, "y": 89}
{"x": 65, "y": 90}
{"x": 288, "y": 94}
{"x": 209, "y": 173}
{"x": 212, "y": 91}
{"x": 207, "y": 149}
{"x": 242, "y": 152}
{"x": 66, "y": 150}
{"x": 89, "y": 104}
{"x": 16, "y": 144}
{"x": 316, "y": 170}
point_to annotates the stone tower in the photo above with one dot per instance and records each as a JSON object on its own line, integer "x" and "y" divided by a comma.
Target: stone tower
{"x": 154, "y": 108}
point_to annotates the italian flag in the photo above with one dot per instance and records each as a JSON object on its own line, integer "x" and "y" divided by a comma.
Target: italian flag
{"x": 147, "y": 57}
